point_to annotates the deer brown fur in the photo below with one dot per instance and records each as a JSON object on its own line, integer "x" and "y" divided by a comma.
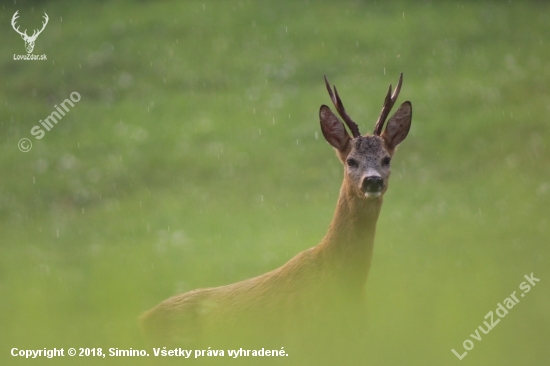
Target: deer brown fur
{"x": 317, "y": 296}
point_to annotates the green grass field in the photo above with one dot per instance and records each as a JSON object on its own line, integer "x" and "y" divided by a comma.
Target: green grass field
{"x": 194, "y": 158}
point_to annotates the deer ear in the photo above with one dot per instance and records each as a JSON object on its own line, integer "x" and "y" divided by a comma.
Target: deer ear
{"x": 398, "y": 125}
{"x": 333, "y": 129}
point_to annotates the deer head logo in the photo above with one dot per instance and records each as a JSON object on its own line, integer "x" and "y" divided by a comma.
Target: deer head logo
{"x": 29, "y": 40}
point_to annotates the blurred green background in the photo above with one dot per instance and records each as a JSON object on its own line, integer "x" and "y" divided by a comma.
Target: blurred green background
{"x": 194, "y": 158}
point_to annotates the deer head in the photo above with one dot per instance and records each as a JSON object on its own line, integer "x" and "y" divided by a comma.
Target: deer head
{"x": 366, "y": 158}
{"x": 29, "y": 40}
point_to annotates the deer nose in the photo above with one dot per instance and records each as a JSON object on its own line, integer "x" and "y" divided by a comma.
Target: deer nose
{"x": 373, "y": 184}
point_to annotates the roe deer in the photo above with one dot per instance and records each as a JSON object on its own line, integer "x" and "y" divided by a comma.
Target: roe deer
{"x": 318, "y": 294}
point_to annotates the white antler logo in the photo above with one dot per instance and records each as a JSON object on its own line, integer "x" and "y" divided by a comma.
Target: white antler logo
{"x": 29, "y": 41}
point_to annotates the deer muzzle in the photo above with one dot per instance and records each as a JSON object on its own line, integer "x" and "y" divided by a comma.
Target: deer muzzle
{"x": 372, "y": 186}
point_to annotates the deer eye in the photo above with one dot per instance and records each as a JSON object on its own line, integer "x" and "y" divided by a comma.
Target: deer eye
{"x": 386, "y": 161}
{"x": 352, "y": 163}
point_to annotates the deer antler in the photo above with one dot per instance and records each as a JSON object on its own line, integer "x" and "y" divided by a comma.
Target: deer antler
{"x": 43, "y": 26}
{"x": 388, "y": 104}
{"x": 340, "y": 108}
{"x": 13, "y": 20}
{"x": 36, "y": 32}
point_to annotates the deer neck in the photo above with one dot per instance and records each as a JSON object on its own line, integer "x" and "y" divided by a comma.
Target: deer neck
{"x": 348, "y": 246}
